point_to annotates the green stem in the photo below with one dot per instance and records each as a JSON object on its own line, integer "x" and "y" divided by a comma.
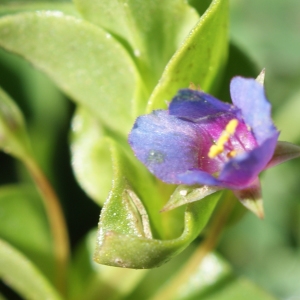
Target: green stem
{"x": 172, "y": 288}
{"x": 56, "y": 220}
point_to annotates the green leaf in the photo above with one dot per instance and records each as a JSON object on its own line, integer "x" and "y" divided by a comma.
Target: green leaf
{"x": 85, "y": 62}
{"x": 24, "y": 225}
{"x": 132, "y": 232}
{"x": 238, "y": 63}
{"x": 157, "y": 277}
{"x": 17, "y": 2}
{"x": 153, "y": 29}
{"x": 98, "y": 161}
{"x": 10, "y": 6}
{"x": 13, "y": 136}
{"x": 214, "y": 279}
{"x": 46, "y": 107}
{"x": 131, "y": 176}
{"x": 200, "y": 5}
{"x": 284, "y": 151}
{"x": 288, "y": 126}
{"x": 48, "y": 118}
{"x": 132, "y": 251}
{"x": 88, "y": 280}
{"x": 200, "y": 59}
{"x": 91, "y": 157}
{"x": 239, "y": 289}
{"x": 22, "y": 275}
{"x": 122, "y": 237}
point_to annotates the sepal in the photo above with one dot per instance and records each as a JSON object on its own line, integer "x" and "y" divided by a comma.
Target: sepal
{"x": 185, "y": 194}
{"x": 251, "y": 198}
{"x": 284, "y": 151}
{"x": 261, "y": 77}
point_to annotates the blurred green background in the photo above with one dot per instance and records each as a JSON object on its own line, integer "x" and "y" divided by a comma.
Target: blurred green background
{"x": 267, "y": 252}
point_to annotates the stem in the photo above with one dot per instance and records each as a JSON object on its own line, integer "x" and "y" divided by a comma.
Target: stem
{"x": 56, "y": 220}
{"x": 172, "y": 288}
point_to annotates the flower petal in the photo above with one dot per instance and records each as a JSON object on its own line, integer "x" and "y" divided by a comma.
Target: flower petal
{"x": 249, "y": 96}
{"x": 195, "y": 105}
{"x": 167, "y": 145}
{"x": 240, "y": 171}
{"x": 192, "y": 177}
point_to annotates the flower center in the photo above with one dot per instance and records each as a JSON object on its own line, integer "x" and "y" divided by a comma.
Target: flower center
{"x": 218, "y": 147}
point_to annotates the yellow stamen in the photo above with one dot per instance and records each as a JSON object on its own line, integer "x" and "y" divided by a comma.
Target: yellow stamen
{"x": 231, "y": 126}
{"x": 218, "y": 148}
{"x": 223, "y": 139}
{"x": 215, "y": 150}
{"x": 231, "y": 154}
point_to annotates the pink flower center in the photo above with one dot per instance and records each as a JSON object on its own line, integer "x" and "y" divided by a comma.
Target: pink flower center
{"x": 224, "y": 139}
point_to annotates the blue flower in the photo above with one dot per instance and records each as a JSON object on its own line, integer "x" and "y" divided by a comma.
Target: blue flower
{"x": 200, "y": 140}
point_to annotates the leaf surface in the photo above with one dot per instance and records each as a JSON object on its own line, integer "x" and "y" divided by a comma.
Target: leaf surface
{"x": 152, "y": 30}
{"x": 215, "y": 280}
{"x": 23, "y": 276}
{"x": 82, "y": 59}
{"x": 24, "y": 225}
{"x": 89, "y": 280}
{"x": 91, "y": 158}
{"x": 123, "y": 237}
{"x": 13, "y": 135}
{"x": 199, "y": 60}
{"x": 11, "y": 7}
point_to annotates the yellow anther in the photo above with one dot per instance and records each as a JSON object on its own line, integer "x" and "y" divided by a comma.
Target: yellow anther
{"x": 218, "y": 148}
{"x": 223, "y": 139}
{"x": 215, "y": 150}
{"x": 231, "y": 154}
{"x": 231, "y": 126}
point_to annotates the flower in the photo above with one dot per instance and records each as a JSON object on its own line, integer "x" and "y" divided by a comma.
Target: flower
{"x": 201, "y": 140}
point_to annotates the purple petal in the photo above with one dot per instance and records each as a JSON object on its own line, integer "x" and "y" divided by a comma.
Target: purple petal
{"x": 195, "y": 105}
{"x": 249, "y": 96}
{"x": 240, "y": 171}
{"x": 198, "y": 177}
{"x": 167, "y": 145}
